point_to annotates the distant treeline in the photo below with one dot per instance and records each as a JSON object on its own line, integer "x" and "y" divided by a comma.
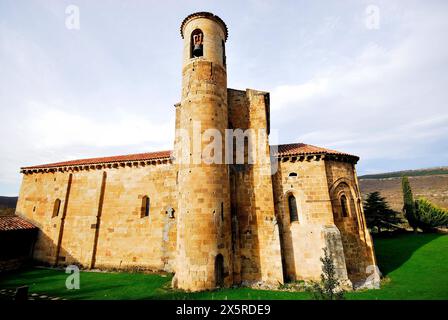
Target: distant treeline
{"x": 8, "y": 202}
{"x": 409, "y": 173}
{"x": 7, "y": 205}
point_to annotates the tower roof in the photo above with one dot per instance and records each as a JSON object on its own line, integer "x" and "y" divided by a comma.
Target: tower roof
{"x": 208, "y": 15}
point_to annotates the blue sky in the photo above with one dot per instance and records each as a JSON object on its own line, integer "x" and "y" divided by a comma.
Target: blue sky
{"x": 109, "y": 87}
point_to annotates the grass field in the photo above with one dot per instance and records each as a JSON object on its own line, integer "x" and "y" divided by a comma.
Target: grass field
{"x": 415, "y": 266}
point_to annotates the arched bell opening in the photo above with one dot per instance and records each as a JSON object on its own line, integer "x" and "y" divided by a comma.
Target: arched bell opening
{"x": 196, "y": 44}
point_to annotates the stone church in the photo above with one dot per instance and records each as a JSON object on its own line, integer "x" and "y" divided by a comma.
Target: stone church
{"x": 211, "y": 224}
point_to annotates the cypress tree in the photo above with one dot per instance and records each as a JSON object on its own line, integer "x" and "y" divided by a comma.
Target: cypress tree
{"x": 408, "y": 203}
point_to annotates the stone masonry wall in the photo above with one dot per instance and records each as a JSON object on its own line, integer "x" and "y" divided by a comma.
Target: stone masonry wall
{"x": 258, "y": 256}
{"x": 303, "y": 240}
{"x": 121, "y": 238}
{"x": 358, "y": 245}
{"x": 37, "y": 195}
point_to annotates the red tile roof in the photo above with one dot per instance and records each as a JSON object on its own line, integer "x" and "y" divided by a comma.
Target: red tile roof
{"x": 292, "y": 149}
{"x": 131, "y": 157}
{"x": 10, "y": 223}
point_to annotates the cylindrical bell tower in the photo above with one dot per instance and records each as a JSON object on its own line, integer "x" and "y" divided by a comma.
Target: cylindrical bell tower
{"x": 203, "y": 225}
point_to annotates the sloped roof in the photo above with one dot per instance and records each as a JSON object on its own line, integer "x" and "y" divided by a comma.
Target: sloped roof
{"x": 130, "y": 157}
{"x": 293, "y": 149}
{"x": 283, "y": 150}
{"x": 11, "y": 223}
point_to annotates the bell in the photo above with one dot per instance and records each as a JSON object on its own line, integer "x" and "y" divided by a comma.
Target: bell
{"x": 197, "y": 50}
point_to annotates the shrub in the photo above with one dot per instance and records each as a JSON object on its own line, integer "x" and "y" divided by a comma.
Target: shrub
{"x": 429, "y": 216}
{"x": 329, "y": 287}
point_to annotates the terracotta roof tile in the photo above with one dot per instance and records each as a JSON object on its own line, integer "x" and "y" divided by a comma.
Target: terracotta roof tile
{"x": 305, "y": 149}
{"x": 10, "y": 223}
{"x": 283, "y": 150}
{"x": 130, "y": 157}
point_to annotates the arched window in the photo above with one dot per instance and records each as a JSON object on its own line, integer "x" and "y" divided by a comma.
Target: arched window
{"x": 293, "y": 216}
{"x": 196, "y": 44}
{"x": 56, "y": 207}
{"x": 145, "y": 207}
{"x": 344, "y": 206}
{"x": 293, "y": 175}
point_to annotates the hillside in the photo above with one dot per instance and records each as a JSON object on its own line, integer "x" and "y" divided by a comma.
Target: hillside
{"x": 7, "y": 205}
{"x": 429, "y": 183}
{"x": 409, "y": 173}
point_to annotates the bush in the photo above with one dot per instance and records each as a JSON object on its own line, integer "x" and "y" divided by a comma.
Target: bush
{"x": 429, "y": 216}
{"x": 329, "y": 287}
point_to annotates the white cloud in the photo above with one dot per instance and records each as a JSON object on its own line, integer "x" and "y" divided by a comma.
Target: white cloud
{"x": 386, "y": 102}
{"x": 296, "y": 94}
{"x": 55, "y": 128}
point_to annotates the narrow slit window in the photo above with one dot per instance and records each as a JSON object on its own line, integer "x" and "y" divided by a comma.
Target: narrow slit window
{"x": 56, "y": 207}
{"x": 146, "y": 204}
{"x": 344, "y": 206}
{"x": 222, "y": 211}
{"x": 293, "y": 215}
{"x": 223, "y": 53}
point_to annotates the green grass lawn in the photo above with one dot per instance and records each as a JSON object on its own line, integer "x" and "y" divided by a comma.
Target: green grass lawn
{"x": 416, "y": 267}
